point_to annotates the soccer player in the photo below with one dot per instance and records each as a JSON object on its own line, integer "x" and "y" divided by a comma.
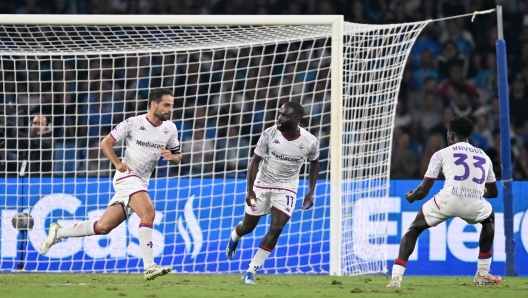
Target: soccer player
{"x": 148, "y": 137}
{"x": 469, "y": 177}
{"x": 272, "y": 182}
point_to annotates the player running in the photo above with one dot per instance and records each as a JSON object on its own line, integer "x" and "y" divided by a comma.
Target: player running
{"x": 148, "y": 137}
{"x": 469, "y": 177}
{"x": 272, "y": 182}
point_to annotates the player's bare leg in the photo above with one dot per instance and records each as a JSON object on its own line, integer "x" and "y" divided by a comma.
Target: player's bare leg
{"x": 112, "y": 217}
{"x": 267, "y": 244}
{"x": 407, "y": 245}
{"x": 246, "y": 226}
{"x": 142, "y": 204}
{"x": 483, "y": 277}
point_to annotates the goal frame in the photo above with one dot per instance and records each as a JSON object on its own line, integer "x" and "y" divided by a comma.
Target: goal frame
{"x": 336, "y": 69}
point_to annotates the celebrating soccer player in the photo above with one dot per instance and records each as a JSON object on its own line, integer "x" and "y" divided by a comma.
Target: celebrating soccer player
{"x": 469, "y": 177}
{"x": 148, "y": 137}
{"x": 272, "y": 182}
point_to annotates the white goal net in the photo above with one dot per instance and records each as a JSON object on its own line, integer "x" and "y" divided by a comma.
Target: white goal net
{"x": 66, "y": 81}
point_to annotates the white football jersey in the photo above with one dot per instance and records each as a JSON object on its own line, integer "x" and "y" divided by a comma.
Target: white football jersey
{"x": 283, "y": 158}
{"x": 143, "y": 144}
{"x": 466, "y": 170}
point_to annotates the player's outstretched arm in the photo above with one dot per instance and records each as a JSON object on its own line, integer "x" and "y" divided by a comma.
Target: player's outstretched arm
{"x": 421, "y": 191}
{"x": 173, "y": 158}
{"x": 107, "y": 145}
{"x": 491, "y": 191}
{"x": 251, "y": 176}
{"x": 314, "y": 173}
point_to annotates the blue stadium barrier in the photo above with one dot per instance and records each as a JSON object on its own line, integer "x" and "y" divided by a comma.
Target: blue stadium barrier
{"x": 193, "y": 231}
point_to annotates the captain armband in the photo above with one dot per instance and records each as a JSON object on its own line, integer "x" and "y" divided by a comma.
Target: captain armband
{"x": 175, "y": 150}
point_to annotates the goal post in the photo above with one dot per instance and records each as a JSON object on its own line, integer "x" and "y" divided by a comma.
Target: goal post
{"x": 230, "y": 75}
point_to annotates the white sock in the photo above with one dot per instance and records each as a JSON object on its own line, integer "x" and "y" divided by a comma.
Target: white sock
{"x": 398, "y": 269}
{"x": 145, "y": 244}
{"x": 234, "y": 236}
{"x": 258, "y": 259}
{"x": 85, "y": 228}
{"x": 484, "y": 266}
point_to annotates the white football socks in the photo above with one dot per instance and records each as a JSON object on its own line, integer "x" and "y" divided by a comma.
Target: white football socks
{"x": 484, "y": 266}
{"x": 397, "y": 271}
{"x": 145, "y": 244}
{"x": 258, "y": 260}
{"x": 85, "y": 228}
{"x": 234, "y": 235}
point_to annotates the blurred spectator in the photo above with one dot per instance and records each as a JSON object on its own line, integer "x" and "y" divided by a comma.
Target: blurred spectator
{"x": 460, "y": 36}
{"x": 426, "y": 71}
{"x": 403, "y": 163}
{"x": 96, "y": 164}
{"x": 434, "y": 143}
{"x": 518, "y": 101}
{"x": 402, "y": 118}
{"x": 460, "y": 103}
{"x": 423, "y": 43}
{"x": 520, "y": 168}
{"x": 415, "y": 102}
{"x": 455, "y": 84}
{"x": 40, "y": 145}
{"x": 481, "y": 136}
{"x": 201, "y": 151}
{"x": 232, "y": 153}
{"x": 429, "y": 117}
{"x": 450, "y": 55}
{"x": 486, "y": 78}
{"x": 494, "y": 154}
{"x": 441, "y": 128}
{"x": 493, "y": 114}
{"x": 99, "y": 109}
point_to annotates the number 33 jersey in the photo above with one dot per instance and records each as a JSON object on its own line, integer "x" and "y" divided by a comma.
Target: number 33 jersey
{"x": 466, "y": 170}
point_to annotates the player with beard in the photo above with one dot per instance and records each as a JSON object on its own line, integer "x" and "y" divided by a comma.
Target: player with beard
{"x": 272, "y": 182}
{"x": 148, "y": 137}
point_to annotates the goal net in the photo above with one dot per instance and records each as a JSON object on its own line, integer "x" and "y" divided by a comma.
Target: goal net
{"x": 68, "y": 80}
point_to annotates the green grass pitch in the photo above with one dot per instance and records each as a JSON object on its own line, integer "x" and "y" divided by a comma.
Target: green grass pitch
{"x": 38, "y": 285}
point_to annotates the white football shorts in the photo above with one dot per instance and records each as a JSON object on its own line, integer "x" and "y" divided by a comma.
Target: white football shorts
{"x": 439, "y": 209}
{"x": 124, "y": 188}
{"x": 267, "y": 198}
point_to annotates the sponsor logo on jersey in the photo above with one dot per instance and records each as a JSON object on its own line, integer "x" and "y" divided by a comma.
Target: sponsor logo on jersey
{"x": 284, "y": 157}
{"x": 148, "y": 144}
{"x": 142, "y": 128}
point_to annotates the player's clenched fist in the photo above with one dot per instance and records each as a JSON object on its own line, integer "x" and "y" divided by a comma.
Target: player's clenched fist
{"x": 123, "y": 167}
{"x": 167, "y": 155}
{"x": 251, "y": 201}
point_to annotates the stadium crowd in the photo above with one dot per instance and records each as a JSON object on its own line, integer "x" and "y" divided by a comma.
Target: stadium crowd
{"x": 451, "y": 71}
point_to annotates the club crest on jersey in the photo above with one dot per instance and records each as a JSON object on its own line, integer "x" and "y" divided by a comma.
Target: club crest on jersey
{"x": 165, "y": 130}
{"x": 276, "y": 141}
{"x": 142, "y": 128}
{"x": 301, "y": 146}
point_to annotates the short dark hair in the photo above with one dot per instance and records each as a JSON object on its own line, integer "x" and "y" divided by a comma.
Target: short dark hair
{"x": 157, "y": 94}
{"x": 461, "y": 126}
{"x": 297, "y": 108}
